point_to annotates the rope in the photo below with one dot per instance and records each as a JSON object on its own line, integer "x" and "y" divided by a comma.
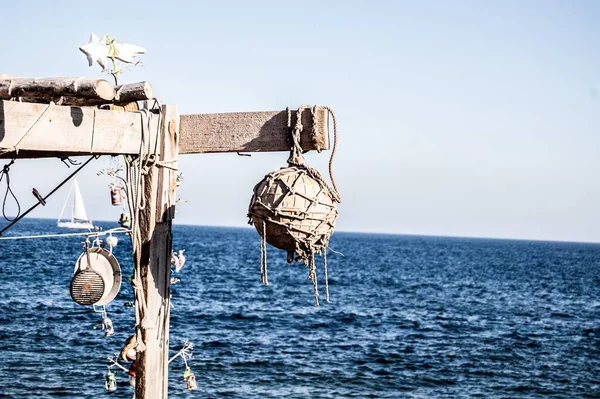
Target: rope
{"x": 333, "y": 151}
{"x": 312, "y": 275}
{"x": 3, "y": 173}
{"x": 47, "y": 196}
{"x": 263, "y": 255}
{"x": 137, "y": 170}
{"x": 296, "y": 158}
{"x": 326, "y": 277}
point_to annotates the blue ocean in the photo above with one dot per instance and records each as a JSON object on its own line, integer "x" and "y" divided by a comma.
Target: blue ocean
{"x": 410, "y": 317}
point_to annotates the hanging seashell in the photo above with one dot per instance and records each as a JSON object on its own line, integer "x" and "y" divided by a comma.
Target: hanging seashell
{"x": 178, "y": 259}
{"x": 128, "y": 352}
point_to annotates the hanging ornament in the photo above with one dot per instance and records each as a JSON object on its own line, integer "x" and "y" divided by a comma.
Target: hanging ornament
{"x": 110, "y": 381}
{"x": 116, "y": 195}
{"x": 294, "y": 209}
{"x": 125, "y": 220}
{"x": 87, "y": 285}
{"x": 96, "y": 278}
{"x": 107, "y": 326}
{"x": 178, "y": 259}
{"x": 190, "y": 379}
{"x": 186, "y": 353}
{"x": 111, "y": 241}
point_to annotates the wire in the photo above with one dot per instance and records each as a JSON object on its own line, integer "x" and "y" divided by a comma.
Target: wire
{"x": 88, "y": 234}
{"x": 47, "y": 196}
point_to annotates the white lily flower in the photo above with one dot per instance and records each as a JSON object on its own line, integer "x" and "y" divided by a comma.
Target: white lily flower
{"x": 96, "y": 51}
{"x": 127, "y": 52}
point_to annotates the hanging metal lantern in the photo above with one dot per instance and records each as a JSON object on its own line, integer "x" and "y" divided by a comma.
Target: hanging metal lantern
{"x": 97, "y": 278}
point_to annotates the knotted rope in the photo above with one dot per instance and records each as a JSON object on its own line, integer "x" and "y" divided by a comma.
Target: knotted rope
{"x": 296, "y": 158}
{"x": 308, "y": 243}
{"x": 137, "y": 170}
{"x": 263, "y": 255}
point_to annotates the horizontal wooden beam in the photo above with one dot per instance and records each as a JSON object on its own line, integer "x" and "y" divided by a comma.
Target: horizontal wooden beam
{"x": 249, "y": 132}
{"x": 48, "y": 130}
{"x": 53, "y": 88}
{"x": 29, "y": 130}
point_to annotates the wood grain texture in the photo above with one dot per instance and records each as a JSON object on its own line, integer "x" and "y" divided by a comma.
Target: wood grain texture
{"x": 155, "y": 228}
{"x": 247, "y": 132}
{"x": 42, "y": 130}
{"x": 129, "y": 92}
{"x": 125, "y": 94}
{"x": 51, "y": 89}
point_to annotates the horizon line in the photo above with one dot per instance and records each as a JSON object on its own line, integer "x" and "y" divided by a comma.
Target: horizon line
{"x": 383, "y": 233}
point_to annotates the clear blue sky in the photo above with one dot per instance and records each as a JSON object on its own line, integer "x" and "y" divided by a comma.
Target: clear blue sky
{"x": 468, "y": 118}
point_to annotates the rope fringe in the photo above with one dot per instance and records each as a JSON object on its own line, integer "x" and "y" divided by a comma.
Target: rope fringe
{"x": 263, "y": 255}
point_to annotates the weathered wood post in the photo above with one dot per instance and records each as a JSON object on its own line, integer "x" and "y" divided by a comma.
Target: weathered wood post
{"x": 155, "y": 226}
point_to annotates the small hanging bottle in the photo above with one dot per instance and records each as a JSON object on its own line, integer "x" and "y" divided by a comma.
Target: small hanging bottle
{"x": 190, "y": 379}
{"x": 116, "y": 195}
{"x": 110, "y": 381}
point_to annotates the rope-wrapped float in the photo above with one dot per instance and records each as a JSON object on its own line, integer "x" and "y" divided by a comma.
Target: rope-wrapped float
{"x": 295, "y": 210}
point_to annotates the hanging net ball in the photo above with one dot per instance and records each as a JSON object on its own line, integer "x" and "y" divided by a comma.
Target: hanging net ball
{"x": 294, "y": 212}
{"x": 294, "y": 209}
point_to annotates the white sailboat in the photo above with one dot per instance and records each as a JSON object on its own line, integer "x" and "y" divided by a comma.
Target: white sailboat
{"x": 79, "y": 218}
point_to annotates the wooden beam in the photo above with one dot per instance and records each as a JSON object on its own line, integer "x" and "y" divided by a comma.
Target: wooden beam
{"x": 47, "y": 130}
{"x": 51, "y": 89}
{"x": 155, "y": 227}
{"x": 133, "y": 92}
{"x": 248, "y": 132}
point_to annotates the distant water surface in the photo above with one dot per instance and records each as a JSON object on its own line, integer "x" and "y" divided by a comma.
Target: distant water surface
{"x": 410, "y": 317}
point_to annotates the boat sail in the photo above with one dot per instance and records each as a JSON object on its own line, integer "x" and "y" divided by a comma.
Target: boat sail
{"x": 79, "y": 218}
